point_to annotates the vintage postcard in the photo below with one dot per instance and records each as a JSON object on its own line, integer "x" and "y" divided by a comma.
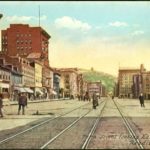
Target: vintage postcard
{"x": 74, "y": 75}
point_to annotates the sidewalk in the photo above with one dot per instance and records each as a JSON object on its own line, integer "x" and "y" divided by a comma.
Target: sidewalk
{"x": 7, "y": 102}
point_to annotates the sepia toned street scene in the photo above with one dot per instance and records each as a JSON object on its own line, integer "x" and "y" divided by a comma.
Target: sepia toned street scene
{"x": 74, "y": 75}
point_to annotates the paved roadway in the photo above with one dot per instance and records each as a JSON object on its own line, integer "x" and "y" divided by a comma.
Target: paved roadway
{"x": 110, "y": 132}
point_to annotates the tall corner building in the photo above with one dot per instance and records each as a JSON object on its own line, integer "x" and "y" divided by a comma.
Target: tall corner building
{"x": 21, "y": 39}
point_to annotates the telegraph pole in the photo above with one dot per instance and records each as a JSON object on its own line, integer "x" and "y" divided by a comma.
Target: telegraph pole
{"x": 39, "y": 15}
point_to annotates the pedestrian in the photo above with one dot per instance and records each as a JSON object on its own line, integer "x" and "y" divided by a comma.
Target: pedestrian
{"x": 141, "y": 98}
{"x": 1, "y": 105}
{"x": 22, "y": 103}
{"x": 95, "y": 100}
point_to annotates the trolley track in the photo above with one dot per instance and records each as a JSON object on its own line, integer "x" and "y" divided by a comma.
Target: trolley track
{"x": 80, "y": 132}
{"x": 127, "y": 125}
{"x": 129, "y": 128}
{"x": 42, "y": 123}
{"x": 67, "y": 136}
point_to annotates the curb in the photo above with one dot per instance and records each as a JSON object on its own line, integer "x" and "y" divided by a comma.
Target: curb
{"x": 35, "y": 101}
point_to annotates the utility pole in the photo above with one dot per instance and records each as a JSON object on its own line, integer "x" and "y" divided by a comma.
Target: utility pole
{"x": 39, "y": 15}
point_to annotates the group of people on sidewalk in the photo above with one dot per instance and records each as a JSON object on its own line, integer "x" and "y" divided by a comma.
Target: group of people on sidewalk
{"x": 22, "y": 103}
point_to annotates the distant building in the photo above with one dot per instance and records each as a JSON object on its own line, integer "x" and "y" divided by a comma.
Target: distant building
{"x": 125, "y": 79}
{"x": 38, "y": 90}
{"x": 94, "y": 87}
{"x": 27, "y": 71}
{"x": 129, "y": 81}
{"x": 68, "y": 82}
{"x": 5, "y": 79}
{"x": 146, "y": 84}
{"x": 116, "y": 90}
{"x": 56, "y": 85}
{"x": 103, "y": 91}
{"x": 137, "y": 85}
{"x": 80, "y": 84}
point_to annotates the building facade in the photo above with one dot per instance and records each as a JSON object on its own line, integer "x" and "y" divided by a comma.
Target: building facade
{"x": 5, "y": 79}
{"x": 94, "y": 87}
{"x": 22, "y": 39}
{"x": 145, "y": 77}
{"x": 125, "y": 79}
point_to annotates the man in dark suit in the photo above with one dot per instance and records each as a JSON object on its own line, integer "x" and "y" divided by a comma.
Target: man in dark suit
{"x": 141, "y": 98}
{"x": 22, "y": 103}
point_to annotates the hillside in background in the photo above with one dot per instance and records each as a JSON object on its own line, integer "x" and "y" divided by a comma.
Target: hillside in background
{"x": 93, "y": 76}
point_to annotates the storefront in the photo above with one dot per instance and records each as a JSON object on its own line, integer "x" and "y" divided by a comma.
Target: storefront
{"x": 4, "y": 89}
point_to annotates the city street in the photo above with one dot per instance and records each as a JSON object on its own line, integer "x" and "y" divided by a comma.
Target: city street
{"x": 69, "y": 124}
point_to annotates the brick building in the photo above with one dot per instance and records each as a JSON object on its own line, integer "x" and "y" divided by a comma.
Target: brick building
{"x": 23, "y": 40}
{"x": 94, "y": 87}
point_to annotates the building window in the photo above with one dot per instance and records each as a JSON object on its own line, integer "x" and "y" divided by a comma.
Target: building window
{"x": 21, "y": 48}
{"x": 29, "y": 34}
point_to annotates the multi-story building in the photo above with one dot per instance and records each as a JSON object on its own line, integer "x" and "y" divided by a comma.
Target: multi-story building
{"x": 47, "y": 78}
{"x": 116, "y": 90}
{"x": 145, "y": 86}
{"x": 68, "y": 82}
{"x": 85, "y": 87}
{"x": 38, "y": 90}
{"x": 80, "y": 84}
{"x": 126, "y": 81}
{"x": 103, "y": 91}
{"x": 94, "y": 87}
{"x": 137, "y": 85}
{"x": 23, "y": 40}
{"x": 5, "y": 78}
{"x": 27, "y": 71}
{"x": 56, "y": 85}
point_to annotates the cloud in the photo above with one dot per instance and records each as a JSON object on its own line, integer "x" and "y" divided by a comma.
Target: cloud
{"x": 71, "y": 23}
{"x": 118, "y": 24}
{"x": 138, "y": 32}
{"x": 16, "y": 18}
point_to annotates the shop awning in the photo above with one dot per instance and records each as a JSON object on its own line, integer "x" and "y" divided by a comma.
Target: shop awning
{"x": 38, "y": 90}
{"x": 28, "y": 90}
{"x": 54, "y": 92}
{"x": 4, "y": 85}
{"x": 22, "y": 90}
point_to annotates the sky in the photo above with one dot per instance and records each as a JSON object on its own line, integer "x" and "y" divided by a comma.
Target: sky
{"x": 104, "y": 35}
